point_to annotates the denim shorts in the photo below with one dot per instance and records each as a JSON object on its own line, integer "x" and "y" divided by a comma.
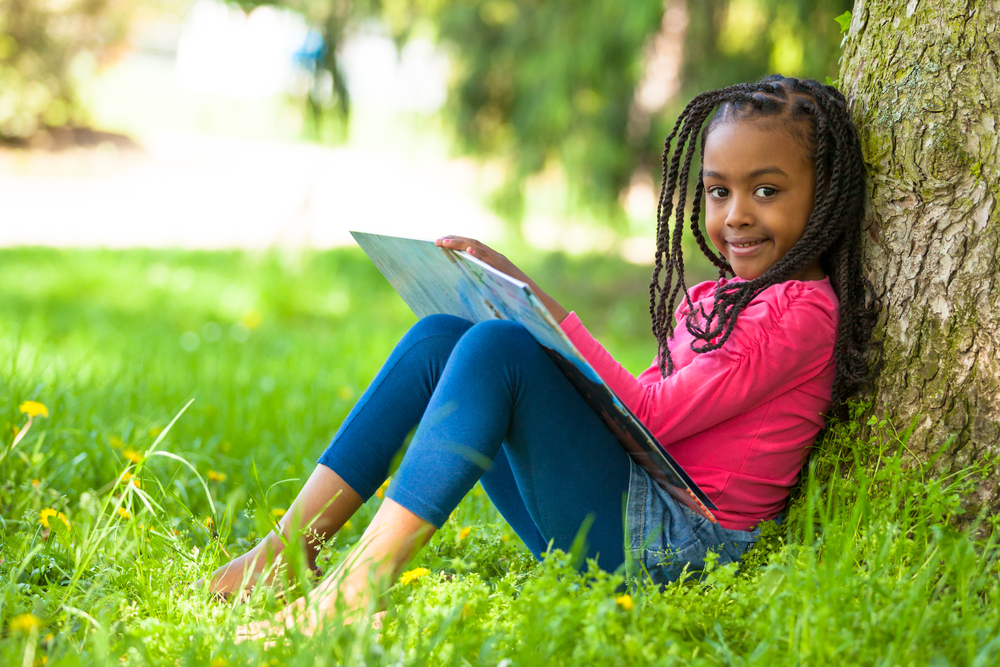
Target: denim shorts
{"x": 664, "y": 536}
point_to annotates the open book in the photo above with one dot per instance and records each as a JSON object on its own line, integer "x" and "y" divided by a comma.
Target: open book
{"x": 435, "y": 280}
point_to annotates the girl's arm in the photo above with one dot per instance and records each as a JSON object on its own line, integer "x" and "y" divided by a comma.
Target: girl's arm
{"x": 776, "y": 347}
{"x": 484, "y": 253}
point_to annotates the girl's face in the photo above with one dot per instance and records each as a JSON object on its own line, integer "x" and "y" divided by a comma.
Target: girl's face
{"x": 759, "y": 193}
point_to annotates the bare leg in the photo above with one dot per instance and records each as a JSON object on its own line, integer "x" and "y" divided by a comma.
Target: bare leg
{"x": 394, "y": 535}
{"x": 323, "y": 505}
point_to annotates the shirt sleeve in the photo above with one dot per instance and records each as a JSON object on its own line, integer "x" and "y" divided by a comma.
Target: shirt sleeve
{"x": 772, "y": 350}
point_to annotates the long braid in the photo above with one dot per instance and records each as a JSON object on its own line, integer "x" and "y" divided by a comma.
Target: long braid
{"x": 662, "y": 298}
{"x": 832, "y": 233}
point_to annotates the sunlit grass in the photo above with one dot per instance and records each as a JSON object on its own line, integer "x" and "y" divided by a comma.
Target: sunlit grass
{"x": 188, "y": 394}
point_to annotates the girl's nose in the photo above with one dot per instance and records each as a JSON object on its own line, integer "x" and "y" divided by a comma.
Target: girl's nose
{"x": 739, "y": 213}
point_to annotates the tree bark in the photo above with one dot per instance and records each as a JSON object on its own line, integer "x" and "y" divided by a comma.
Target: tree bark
{"x": 922, "y": 79}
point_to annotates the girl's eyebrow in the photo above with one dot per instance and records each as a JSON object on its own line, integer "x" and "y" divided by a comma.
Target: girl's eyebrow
{"x": 753, "y": 174}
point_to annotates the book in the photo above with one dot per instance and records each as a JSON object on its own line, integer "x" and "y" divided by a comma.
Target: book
{"x": 434, "y": 280}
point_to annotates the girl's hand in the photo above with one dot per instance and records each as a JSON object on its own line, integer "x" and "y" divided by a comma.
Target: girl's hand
{"x": 484, "y": 253}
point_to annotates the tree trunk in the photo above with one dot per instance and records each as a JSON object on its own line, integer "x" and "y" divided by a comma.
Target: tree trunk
{"x": 922, "y": 78}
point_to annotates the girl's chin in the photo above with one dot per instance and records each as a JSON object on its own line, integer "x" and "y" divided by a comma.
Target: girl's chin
{"x": 747, "y": 273}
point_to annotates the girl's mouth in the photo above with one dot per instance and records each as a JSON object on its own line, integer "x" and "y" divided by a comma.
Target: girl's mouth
{"x": 746, "y": 247}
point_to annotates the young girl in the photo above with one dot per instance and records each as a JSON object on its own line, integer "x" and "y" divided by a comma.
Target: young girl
{"x": 747, "y": 368}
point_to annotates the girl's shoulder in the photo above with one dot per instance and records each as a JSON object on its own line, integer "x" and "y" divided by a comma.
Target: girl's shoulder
{"x": 776, "y": 298}
{"x": 793, "y": 310}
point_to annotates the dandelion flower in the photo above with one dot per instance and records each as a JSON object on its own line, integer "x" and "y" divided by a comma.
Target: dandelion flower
{"x": 381, "y": 490}
{"x": 124, "y": 513}
{"x": 412, "y": 575}
{"x": 25, "y": 623}
{"x": 132, "y": 455}
{"x": 624, "y": 601}
{"x": 214, "y": 476}
{"x": 278, "y": 512}
{"x": 208, "y": 523}
{"x": 464, "y": 533}
{"x": 33, "y": 409}
{"x": 46, "y": 514}
{"x": 35, "y": 482}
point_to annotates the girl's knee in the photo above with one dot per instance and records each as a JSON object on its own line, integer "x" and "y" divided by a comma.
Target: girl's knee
{"x": 440, "y": 325}
{"x": 501, "y": 338}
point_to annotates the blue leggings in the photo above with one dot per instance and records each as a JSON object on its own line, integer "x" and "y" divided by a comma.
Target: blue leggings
{"x": 489, "y": 405}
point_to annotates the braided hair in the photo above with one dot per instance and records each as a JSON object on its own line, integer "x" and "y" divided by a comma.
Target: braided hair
{"x": 817, "y": 116}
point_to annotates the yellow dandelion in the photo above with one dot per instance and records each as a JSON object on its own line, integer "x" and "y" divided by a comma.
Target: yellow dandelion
{"x": 278, "y": 512}
{"x": 624, "y": 601}
{"x": 49, "y": 637}
{"x": 132, "y": 455}
{"x": 33, "y": 409}
{"x": 464, "y": 533}
{"x": 219, "y": 662}
{"x": 46, "y": 514}
{"x": 208, "y": 523}
{"x": 128, "y": 477}
{"x": 35, "y": 482}
{"x": 124, "y": 513}
{"x": 41, "y": 662}
{"x": 25, "y": 623}
{"x": 381, "y": 490}
{"x": 214, "y": 476}
{"x": 412, "y": 575}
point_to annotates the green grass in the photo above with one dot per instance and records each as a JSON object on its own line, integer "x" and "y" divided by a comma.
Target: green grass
{"x": 273, "y": 349}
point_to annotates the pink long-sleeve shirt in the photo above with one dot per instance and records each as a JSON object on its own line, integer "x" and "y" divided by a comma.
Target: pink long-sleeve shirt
{"x": 740, "y": 419}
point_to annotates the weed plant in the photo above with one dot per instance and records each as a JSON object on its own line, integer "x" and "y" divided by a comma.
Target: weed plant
{"x": 188, "y": 394}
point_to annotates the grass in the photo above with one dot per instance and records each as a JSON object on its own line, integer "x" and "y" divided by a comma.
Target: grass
{"x": 870, "y": 567}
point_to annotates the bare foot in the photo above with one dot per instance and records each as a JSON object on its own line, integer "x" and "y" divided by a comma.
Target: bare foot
{"x": 349, "y": 596}
{"x": 243, "y": 573}
{"x": 370, "y": 569}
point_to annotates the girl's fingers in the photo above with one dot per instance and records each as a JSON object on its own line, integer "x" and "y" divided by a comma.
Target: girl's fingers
{"x": 457, "y": 242}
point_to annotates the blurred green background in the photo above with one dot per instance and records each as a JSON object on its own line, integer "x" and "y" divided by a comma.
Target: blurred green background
{"x": 564, "y": 104}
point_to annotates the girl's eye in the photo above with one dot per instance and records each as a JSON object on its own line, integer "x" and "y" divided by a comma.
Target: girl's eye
{"x": 718, "y": 192}
{"x": 764, "y": 191}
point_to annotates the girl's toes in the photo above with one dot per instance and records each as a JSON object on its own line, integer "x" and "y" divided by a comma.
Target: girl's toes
{"x": 252, "y": 631}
